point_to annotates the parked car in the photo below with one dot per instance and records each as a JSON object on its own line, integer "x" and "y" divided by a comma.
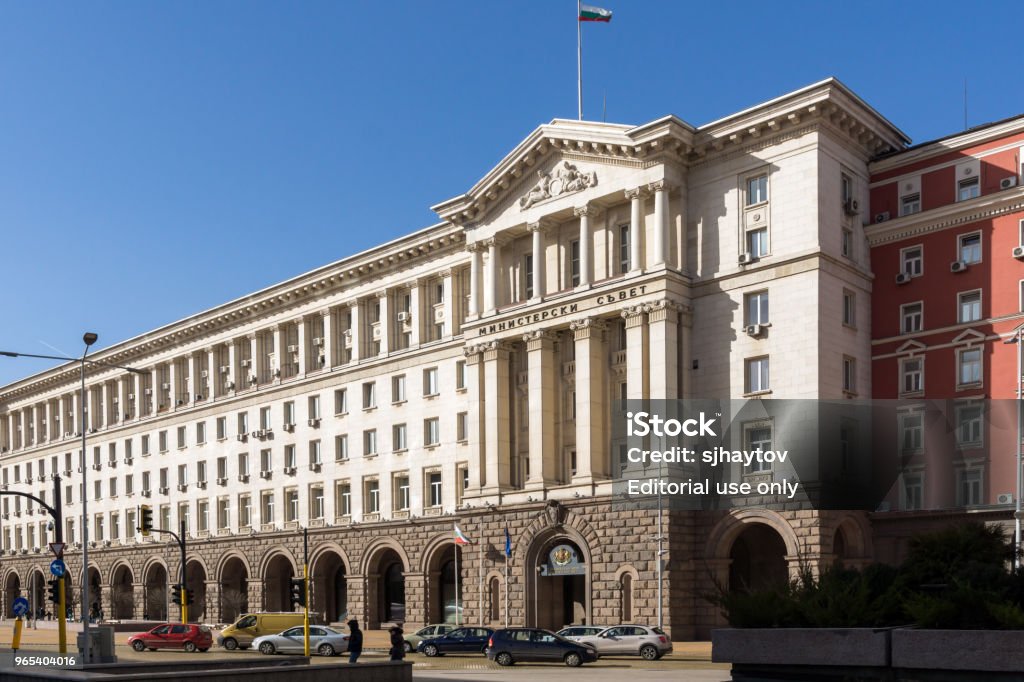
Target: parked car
{"x": 240, "y": 634}
{"x": 574, "y": 632}
{"x": 523, "y": 645}
{"x": 322, "y": 640}
{"x": 457, "y": 641}
{"x": 173, "y": 636}
{"x": 631, "y": 640}
{"x": 412, "y": 641}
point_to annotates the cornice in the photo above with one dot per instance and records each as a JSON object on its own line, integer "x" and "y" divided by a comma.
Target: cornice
{"x": 960, "y": 213}
{"x": 945, "y": 145}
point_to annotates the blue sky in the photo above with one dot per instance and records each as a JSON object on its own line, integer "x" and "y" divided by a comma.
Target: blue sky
{"x": 157, "y": 159}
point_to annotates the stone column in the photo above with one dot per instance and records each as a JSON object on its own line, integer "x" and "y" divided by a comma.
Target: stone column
{"x": 686, "y": 390}
{"x": 584, "y": 213}
{"x": 540, "y": 348}
{"x": 233, "y": 375}
{"x": 474, "y": 279}
{"x": 663, "y": 331}
{"x": 279, "y": 351}
{"x": 104, "y": 413}
{"x": 134, "y": 396}
{"x": 75, "y": 423}
{"x": 448, "y": 298}
{"x": 491, "y": 277}
{"x": 328, "y": 348}
{"x": 538, "y": 230}
{"x": 196, "y": 374}
{"x": 300, "y": 338}
{"x": 356, "y": 331}
{"x": 497, "y": 437}
{"x": 660, "y": 189}
{"x": 254, "y": 360}
{"x": 48, "y": 416}
{"x": 172, "y": 380}
{"x": 591, "y": 400}
{"x": 636, "y": 352}
{"x": 385, "y": 323}
{"x": 636, "y": 229}
{"x": 475, "y": 416}
{"x": 154, "y": 391}
{"x": 416, "y": 310}
{"x": 214, "y": 382}
{"x": 138, "y": 600}
{"x": 92, "y": 410}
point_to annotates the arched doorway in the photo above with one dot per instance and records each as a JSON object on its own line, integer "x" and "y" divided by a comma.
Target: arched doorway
{"x": 330, "y": 587}
{"x": 155, "y": 598}
{"x": 757, "y": 559}
{"x": 441, "y": 606}
{"x": 494, "y": 599}
{"x": 36, "y": 594}
{"x": 385, "y": 599}
{"x": 234, "y": 590}
{"x": 122, "y": 593}
{"x": 96, "y": 594}
{"x": 195, "y": 582}
{"x": 12, "y": 590}
{"x": 560, "y": 584}
{"x": 277, "y": 584}
{"x": 839, "y": 547}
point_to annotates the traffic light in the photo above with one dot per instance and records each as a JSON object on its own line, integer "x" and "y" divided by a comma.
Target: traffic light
{"x": 53, "y": 590}
{"x": 176, "y": 594}
{"x": 190, "y": 597}
{"x": 146, "y": 517}
{"x": 298, "y": 592}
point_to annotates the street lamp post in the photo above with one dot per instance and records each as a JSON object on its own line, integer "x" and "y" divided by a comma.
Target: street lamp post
{"x": 89, "y": 338}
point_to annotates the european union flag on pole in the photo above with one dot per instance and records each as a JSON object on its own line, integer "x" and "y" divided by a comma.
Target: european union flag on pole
{"x": 508, "y": 544}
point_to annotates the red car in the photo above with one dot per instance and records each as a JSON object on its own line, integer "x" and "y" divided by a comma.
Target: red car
{"x": 173, "y": 636}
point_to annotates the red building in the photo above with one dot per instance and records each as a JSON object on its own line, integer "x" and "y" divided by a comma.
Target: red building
{"x": 946, "y": 236}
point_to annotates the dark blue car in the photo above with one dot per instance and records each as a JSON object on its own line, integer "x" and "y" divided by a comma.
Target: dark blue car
{"x": 458, "y": 641}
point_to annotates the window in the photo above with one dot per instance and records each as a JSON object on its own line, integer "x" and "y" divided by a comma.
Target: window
{"x": 145, "y": 449}
{"x": 434, "y": 488}
{"x": 181, "y": 437}
{"x": 291, "y": 505}
{"x": 431, "y": 432}
{"x": 970, "y": 247}
{"x": 266, "y": 460}
{"x": 911, "y": 432}
{"x": 182, "y": 474}
{"x": 912, "y": 375}
{"x": 289, "y": 413}
{"x": 846, "y": 245}
{"x": 200, "y": 472}
{"x": 244, "y": 511}
{"x": 910, "y": 204}
{"x": 460, "y": 375}
{"x": 624, "y": 246}
{"x": 162, "y": 438}
{"x": 265, "y": 423}
{"x": 968, "y": 188}
{"x": 398, "y": 389}
{"x": 243, "y": 464}
{"x": 849, "y": 308}
{"x": 203, "y": 511}
{"x": 223, "y": 513}
{"x": 222, "y": 428}
{"x": 528, "y": 275}
{"x": 185, "y": 515}
{"x": 913, "y": 491}
{"x": 969, "y": 306}
{"x": 911, "y": 318}
{"x": 129, "y": 485}
{"x": 343, "y": 499}
{"x": 200, "y": 433}
{"x": 968, "y": 425}
{"x": 145, "y": 482}
{"x": 369, "y": 395}
{"x": 430, "y": 384}
{"x": 574, "y": 262}
{"x": 243, "y": 423}
{"x": 314, "y": 452}
{"x": 267, "y": 507}
{"x": 111, "y": 488}
{"x": 401, "y": 492}
{"x": 757, "y": 189}
{"x": 756, "y": 305}
{"x": 757, "y": 375}
{"x": 341, "y": 401}
{"x": 341, "y": 448}
{"x": 369, "y": 443}
{"x": 462, "y": 426}
{"x": 290, "y": 460}
{"x": 759, "y": 438}
{"x": 757, "y": 242}
{"x": 222, "y": 467}
{"x": 912, "y": 259}
{"x": 846, "y": 188}
{"x": 969, "y": 487}
{"x": 969, "y": 362}
{"x": 371, "y": 497}
{"x": 398, "y": 438}
{"x": 316, "y": 501}
{"x": 849, "y": 374}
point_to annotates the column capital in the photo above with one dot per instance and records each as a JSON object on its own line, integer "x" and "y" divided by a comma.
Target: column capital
{"x": 636, "y": 193}
{"x": 444, "y": 272}
{"x": 634, "y": 314}
{"x": 659, "y": 186}
{"x": 383, "y": 293}
{"x": 539, "y": 340}
{"x": 588, "y": 210}
{"x": 494, "y": 350}
{"x": 326, "y": 312}
{"x": 474, "y": 247}
{"x": 582, "y": 329}
{"x": 411, "y": 284}
{"x": 665, "y": 309}
{"x": 541, "y": 225}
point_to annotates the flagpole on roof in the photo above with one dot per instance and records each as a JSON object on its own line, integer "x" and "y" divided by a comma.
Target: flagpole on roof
{"x": 579, "y": 57}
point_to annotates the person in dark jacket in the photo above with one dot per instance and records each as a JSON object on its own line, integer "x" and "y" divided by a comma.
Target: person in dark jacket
{"x": 355, "y": 641}
{"x": 397, "y": 644}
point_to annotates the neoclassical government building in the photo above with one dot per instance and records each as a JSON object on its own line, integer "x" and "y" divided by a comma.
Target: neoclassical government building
{"x": 466, "y": 374}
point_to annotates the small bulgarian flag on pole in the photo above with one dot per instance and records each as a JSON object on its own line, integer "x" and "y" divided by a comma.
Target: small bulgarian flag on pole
{"x": 588, "y": 13}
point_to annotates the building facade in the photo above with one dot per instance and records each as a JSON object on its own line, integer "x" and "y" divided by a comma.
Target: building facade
{"x": 467, "y": 374}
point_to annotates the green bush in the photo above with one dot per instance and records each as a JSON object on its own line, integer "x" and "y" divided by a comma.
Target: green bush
{"x": 959, "y": 577}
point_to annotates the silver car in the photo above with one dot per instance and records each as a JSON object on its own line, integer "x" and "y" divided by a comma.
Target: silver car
{"x": 322, "y": 640}
{"x": 630, "y": 640}
{"x": 574, "y": 632}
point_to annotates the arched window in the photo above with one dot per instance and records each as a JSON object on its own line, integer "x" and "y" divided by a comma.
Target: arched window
{"x": 495, "y": 600}
{"x": 626, "y": 598}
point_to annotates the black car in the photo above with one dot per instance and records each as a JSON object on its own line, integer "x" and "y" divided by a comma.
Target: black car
{"x": 458, "y": 641}
{"x": 529, "y": 644}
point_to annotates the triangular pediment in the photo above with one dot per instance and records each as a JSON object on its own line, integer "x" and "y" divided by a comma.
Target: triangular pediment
{"x": 969, "y": 336}
{"x": 911, "y": 347}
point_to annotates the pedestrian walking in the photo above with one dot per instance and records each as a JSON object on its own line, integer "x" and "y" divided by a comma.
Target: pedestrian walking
{"x": 397, "y": 644}
{"x": 355, "y": 641}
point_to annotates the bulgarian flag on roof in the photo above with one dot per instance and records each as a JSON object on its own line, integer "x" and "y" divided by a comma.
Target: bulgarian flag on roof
{"x": 460, "y": 537}
{"x": 590, "y": 13}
